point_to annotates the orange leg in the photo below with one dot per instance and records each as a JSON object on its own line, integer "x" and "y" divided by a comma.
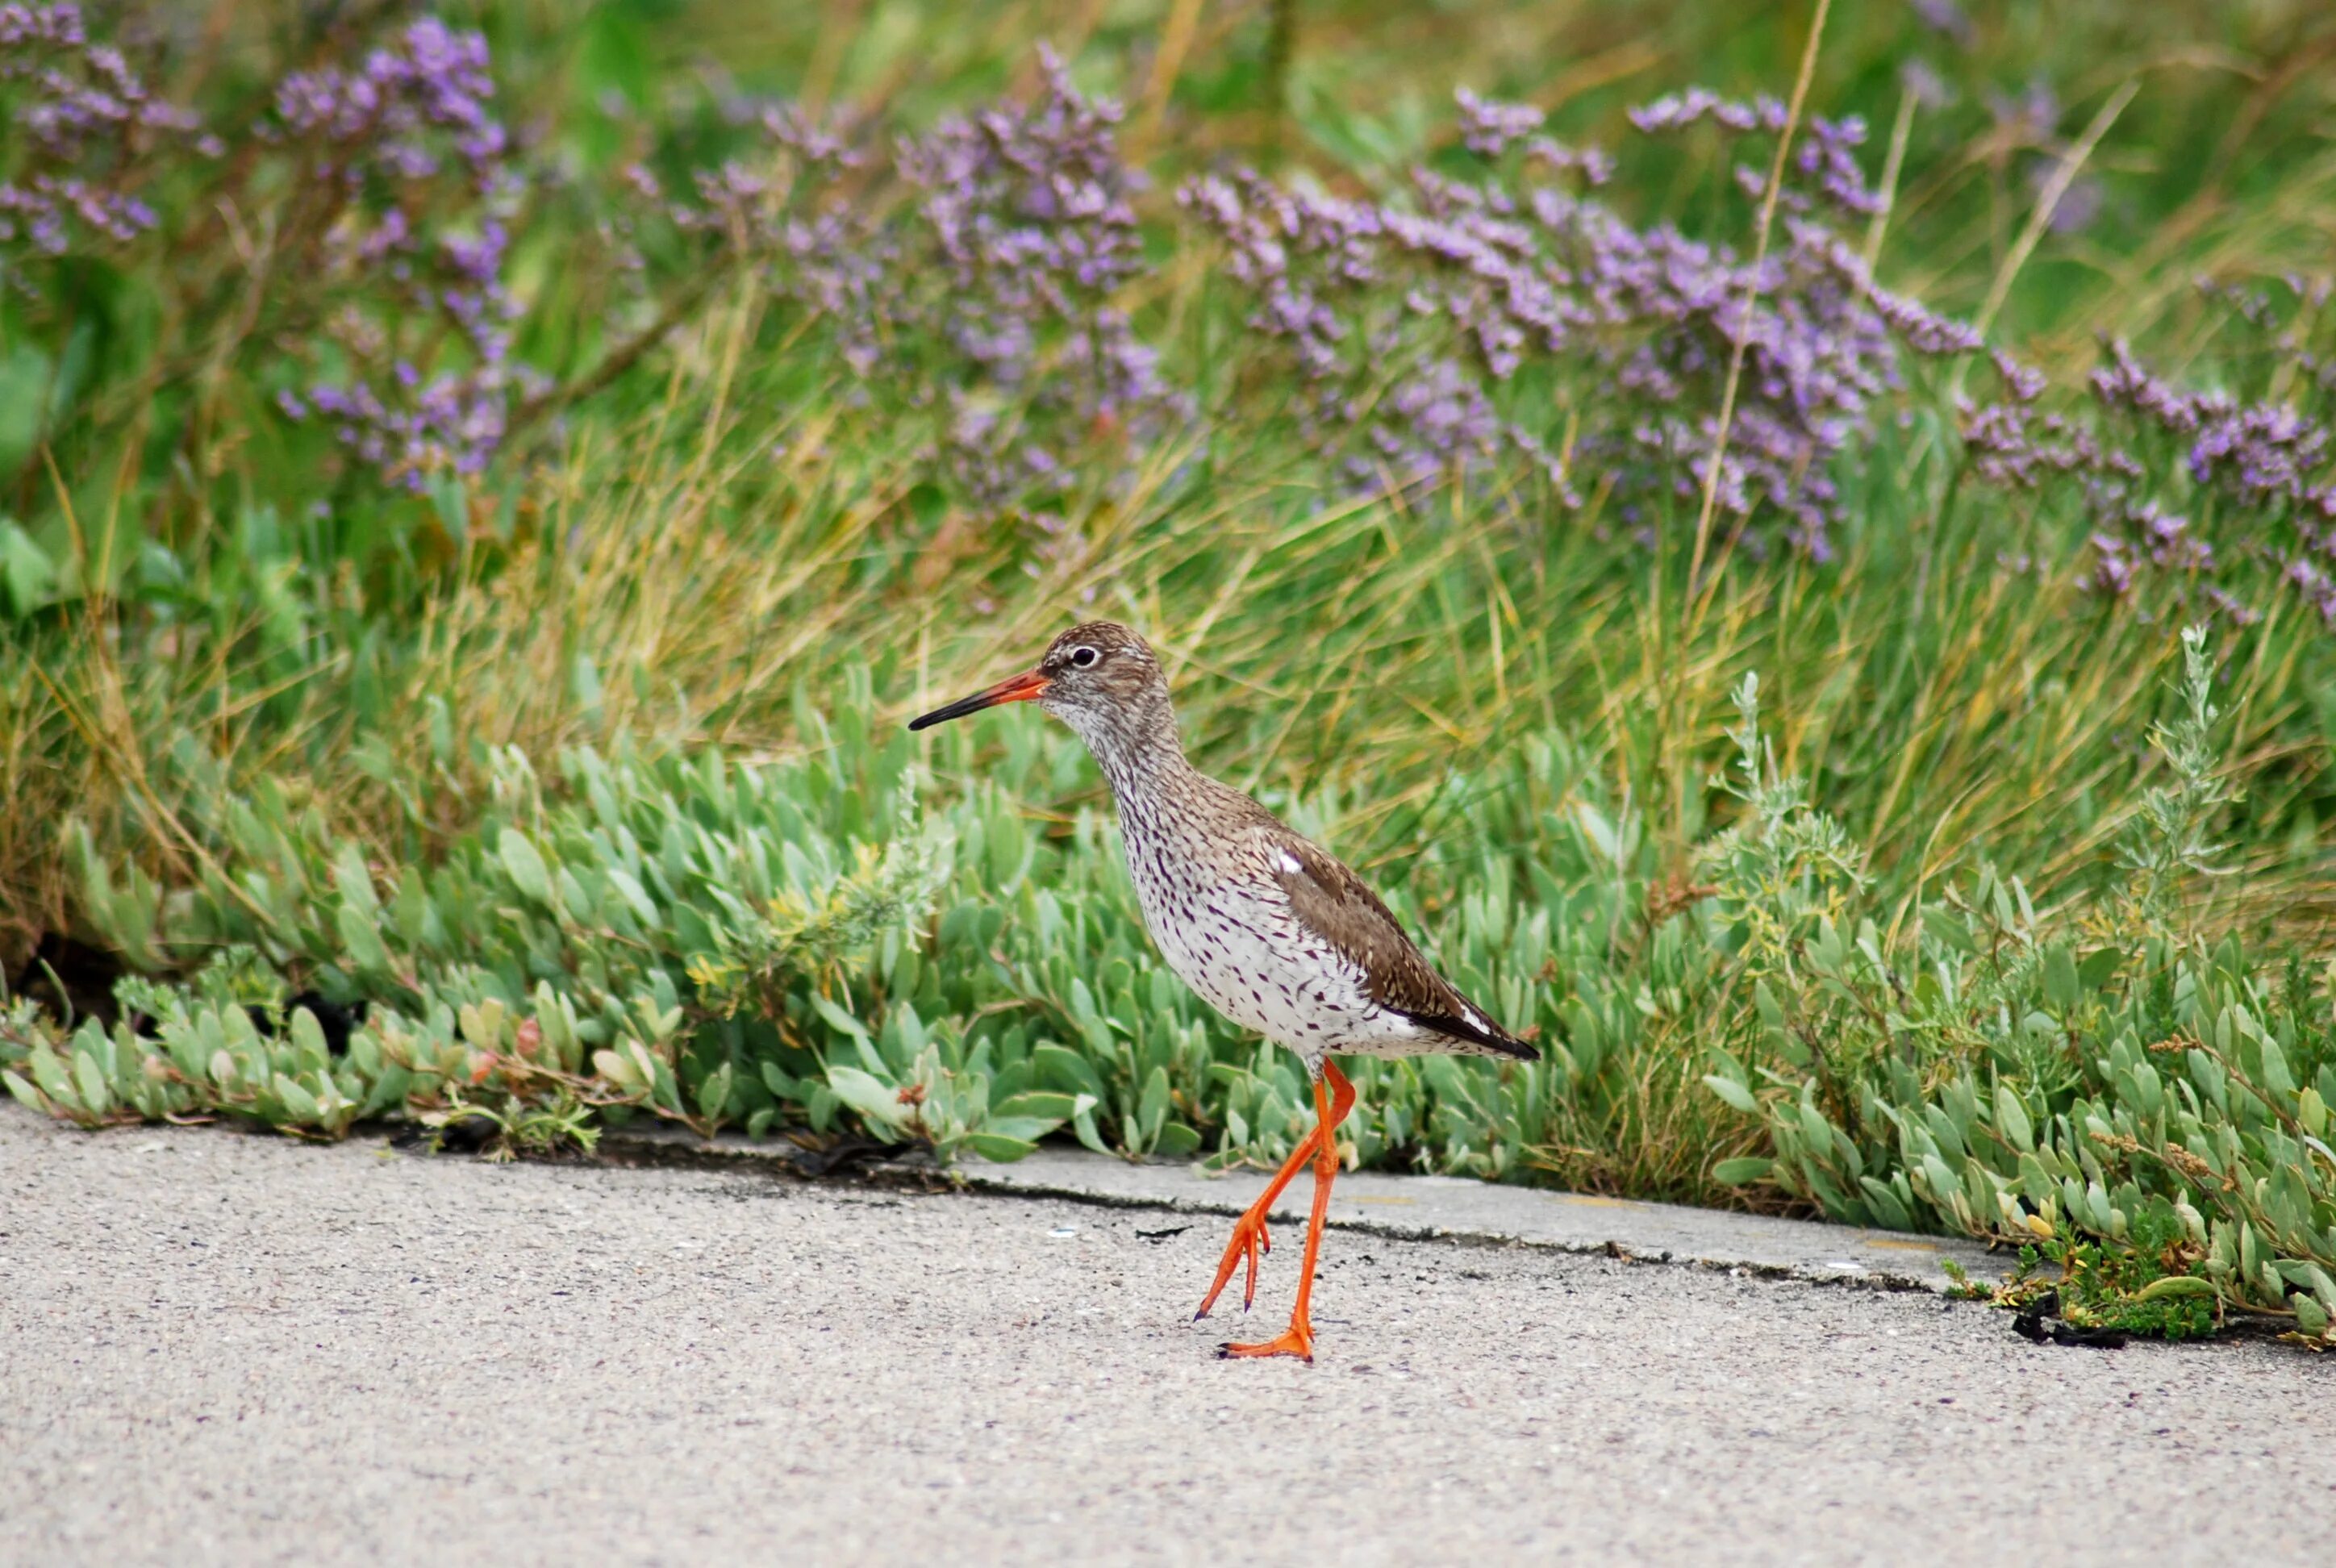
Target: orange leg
{"x": 1297, "y": 1339}
{"x": 1250, "y": 1238}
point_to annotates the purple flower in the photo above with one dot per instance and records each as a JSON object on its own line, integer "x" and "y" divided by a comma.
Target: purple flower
{"x": 2024, "y": 383}
{"x": 83, "y": 123}
{"x": 1030, "y": 217}
{"x": 1922, "y": 80}
{"x": 1947, "y": 19}
{"x": 2192, "y": 492}
{"x": 416, "y": 116}
{"x": 2112, "y": 573}
{"x": 2079, "y": 205}
{"x": 1488, "y": 128}
{"x": 2029, "y": 120}
{"x": 1408, "y": 321}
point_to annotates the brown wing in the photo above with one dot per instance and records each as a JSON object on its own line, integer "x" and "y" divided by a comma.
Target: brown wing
{"x": 1333, "y": 903}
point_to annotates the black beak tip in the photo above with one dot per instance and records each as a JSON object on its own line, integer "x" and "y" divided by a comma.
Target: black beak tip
{"x": 957, "y": 709}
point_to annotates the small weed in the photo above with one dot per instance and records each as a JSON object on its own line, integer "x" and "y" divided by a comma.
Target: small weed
{"x": 2111, "y": 1290}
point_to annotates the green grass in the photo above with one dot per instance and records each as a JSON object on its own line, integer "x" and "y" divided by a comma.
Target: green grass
{"x": 719, "y": 558}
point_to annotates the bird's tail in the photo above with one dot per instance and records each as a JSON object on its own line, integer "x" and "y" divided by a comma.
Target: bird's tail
{"x": 1475, "y": 1035}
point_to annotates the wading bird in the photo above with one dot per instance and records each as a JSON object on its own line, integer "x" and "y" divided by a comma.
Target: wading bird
{"x": 1271, "y": 931}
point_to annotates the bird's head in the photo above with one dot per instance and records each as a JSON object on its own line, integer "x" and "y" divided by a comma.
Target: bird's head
{"x": 1100, "y": 678}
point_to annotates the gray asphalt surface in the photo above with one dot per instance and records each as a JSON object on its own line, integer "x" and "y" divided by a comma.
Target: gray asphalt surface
{"x": 217, "y": 1348}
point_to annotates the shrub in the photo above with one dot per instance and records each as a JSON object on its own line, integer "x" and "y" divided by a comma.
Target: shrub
{"x": 2115, "y": 1083}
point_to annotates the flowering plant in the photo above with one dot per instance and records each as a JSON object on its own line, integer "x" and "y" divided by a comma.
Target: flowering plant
{"x": 408, "y": 177}
{"x": 1517, "y": 313}
{"x": 86, "y": 128}
{"x": 2205, "y": 498}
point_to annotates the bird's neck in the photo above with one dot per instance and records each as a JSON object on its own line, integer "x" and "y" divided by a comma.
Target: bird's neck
{"x": 1140, "y": 758}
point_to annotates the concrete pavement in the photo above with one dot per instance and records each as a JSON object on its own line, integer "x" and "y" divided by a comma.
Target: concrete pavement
{"x": 217, "y": 1348}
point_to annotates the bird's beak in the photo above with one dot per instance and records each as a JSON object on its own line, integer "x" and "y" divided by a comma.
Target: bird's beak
{"x": 1022, "y": 688}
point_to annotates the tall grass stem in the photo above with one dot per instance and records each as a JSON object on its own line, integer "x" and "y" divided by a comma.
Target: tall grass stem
{"x": 1751, "y": 295}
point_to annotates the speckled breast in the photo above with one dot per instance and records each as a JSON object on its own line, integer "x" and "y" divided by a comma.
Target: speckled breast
{"x": 1235, "y": 942}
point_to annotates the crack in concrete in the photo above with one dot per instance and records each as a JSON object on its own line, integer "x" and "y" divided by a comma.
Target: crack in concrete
{"x": 1439, "y": 1209}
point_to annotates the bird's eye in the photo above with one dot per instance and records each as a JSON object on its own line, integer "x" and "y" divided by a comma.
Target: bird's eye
{"x": 1084, "y": 658}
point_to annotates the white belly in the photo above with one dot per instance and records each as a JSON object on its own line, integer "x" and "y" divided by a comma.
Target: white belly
{"x": 1247, "y": 956}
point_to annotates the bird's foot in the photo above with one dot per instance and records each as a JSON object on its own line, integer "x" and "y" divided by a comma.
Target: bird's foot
{"x": 1249, "y": 1242}
{"x": 1298, "y": 1341}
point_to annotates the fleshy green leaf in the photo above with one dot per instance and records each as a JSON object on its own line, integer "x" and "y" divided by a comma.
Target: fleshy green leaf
{"x": 525, "y": 865}
{"x": 1734, "y": 1093}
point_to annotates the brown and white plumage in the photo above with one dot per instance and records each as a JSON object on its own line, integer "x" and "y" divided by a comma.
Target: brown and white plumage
{"x": 1270, "y": 930}
{"x": 1278, "y": 936}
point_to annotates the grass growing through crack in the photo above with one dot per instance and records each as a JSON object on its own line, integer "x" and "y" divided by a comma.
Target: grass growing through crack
{"x": 582, "y": 768}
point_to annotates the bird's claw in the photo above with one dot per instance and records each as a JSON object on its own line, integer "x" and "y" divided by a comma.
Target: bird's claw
{"x": 1298, "y": 1341}
{"x": 1250, "y": 1240}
